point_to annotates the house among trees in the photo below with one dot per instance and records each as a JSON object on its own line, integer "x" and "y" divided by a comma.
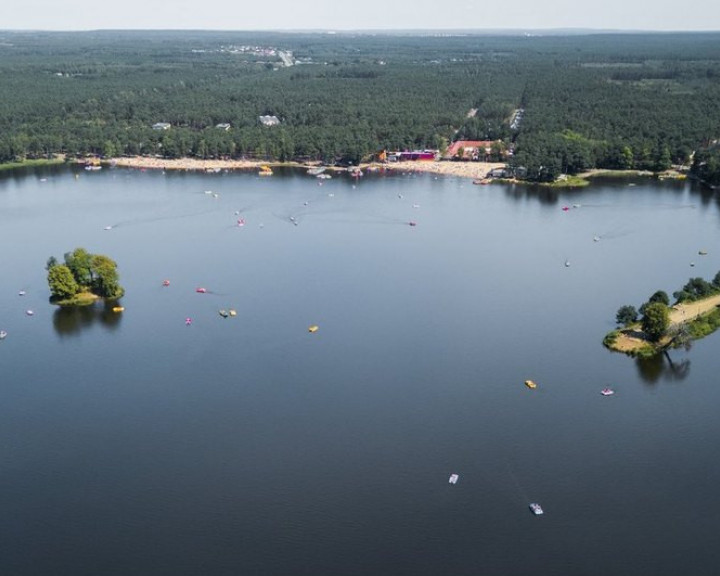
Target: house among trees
{"x": 161, "y": 126}
{"x": 471, "y": 149}
{"x": 269, "y": 120}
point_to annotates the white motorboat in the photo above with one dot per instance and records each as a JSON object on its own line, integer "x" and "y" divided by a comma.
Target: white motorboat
{"x": 536, "y": 509}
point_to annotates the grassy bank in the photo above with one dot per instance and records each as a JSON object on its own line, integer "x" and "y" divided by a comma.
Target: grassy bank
{"x": 81, "y": 299}
{"x": 633, "y": 342}
{"x": 35, "y": 163}
{"x": 567, "y": 182}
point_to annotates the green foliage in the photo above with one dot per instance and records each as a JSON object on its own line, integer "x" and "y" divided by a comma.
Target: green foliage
{"x": 61, "y": 282}
{"x": 590, "y": 101}
{"x": 611, "y": 338}
{"x": 660, "y": 296}
{"x": 655, "y": 321}
{"x": 84, "y": 271}
{"x": 695, "y": 289}
{"x": 716, "y": 280}
{"x": 704, "y": 325}
{"x": 706, "y": 164}
{"x": 105, "y": 277}
{"x": 626, "y": 315}
{"x": 79, "y": 263}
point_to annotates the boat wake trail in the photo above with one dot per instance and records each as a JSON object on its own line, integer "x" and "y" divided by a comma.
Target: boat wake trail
{"x": 151, "y": 220}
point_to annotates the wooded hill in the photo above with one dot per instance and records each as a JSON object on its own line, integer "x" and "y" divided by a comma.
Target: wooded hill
{"x": 604, "y": 100}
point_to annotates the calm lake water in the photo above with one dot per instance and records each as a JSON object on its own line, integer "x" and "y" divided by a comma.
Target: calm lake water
{"x": 134, "y": 444}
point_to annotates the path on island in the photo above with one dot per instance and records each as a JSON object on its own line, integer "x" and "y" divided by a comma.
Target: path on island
{"x": 629, "y": 340}
{"x": 691, "y": 310}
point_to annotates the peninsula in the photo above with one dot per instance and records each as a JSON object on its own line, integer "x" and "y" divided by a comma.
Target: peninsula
{"x": 662, "y": 327}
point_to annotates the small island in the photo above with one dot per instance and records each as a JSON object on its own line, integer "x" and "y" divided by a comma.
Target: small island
{"x": 657, "y": 326}
{"x": 82, "y": 279}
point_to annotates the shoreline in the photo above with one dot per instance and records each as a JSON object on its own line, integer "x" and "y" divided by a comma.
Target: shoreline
{"x": 631, "y": 340}
{"x": 468, "y": 170}
{"x": 471, "y": 170}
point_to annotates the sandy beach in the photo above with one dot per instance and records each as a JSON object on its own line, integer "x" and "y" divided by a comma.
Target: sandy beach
{"x": 472, "y": 170}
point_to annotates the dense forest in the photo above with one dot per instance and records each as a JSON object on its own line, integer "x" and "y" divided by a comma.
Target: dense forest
{"x": 642, "y": 101}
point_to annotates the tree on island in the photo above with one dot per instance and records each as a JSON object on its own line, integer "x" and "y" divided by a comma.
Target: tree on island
{"x": 695, "y": 289}
{"x": 62, "y": 282}
{"x": 659, "y": 296}
{"x": 83, "y": 272}
{"x": 655, "y": 321}
{"x": 626, "y": 315}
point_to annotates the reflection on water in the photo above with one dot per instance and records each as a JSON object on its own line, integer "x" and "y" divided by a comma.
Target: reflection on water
{"x": 323, "y": 450}
{"x": 71, "y": 320}
{"x": 544, "y": 195}
{"x": 662, "y": 367}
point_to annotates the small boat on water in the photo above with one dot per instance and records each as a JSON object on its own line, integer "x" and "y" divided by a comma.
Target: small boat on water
{"x": 536, "y": 509}
{"x": 188, "y": 321}
{"x": 201, "y": 290}
{"x": 29, "y": 312}
{"x": 22, "y": 293}
{"x": 530, "y": 384}
{"x": 166, "y": 282}
{"x": 607, "y": 391}
{"x": 223, "y": 313}
{"x": 265, "y": 171}
{"x": 316, "y": 170}
{"x": 3, "y": 334}
{"x": 567, "y": 263}
{"x": 117, "y": 309}
{"x": 412, "y": 223}
{"x": 453, "y": 479}
{"x": 232, "y": 312}
{"x": 702, "y": 252}
{"x": 314, "y": 328}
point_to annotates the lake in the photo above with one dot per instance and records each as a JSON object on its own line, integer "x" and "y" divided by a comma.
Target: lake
{"x": 133, "y": 443}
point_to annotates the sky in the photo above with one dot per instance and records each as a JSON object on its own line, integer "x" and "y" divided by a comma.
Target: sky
{"x": 367, "y": 15}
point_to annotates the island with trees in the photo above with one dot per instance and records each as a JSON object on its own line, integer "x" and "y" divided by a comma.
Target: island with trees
{"x": 82, "y": 278}
{"x": 656, "y": 326}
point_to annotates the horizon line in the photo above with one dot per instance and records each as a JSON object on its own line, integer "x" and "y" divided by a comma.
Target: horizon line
{"x": 423, "y": 31}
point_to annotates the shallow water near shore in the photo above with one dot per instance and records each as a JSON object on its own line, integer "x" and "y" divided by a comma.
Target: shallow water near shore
{"x": 134, "y": 444}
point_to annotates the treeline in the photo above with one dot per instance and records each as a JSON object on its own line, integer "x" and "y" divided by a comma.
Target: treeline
{"x": 607, "y": 101}
{"x": 706, "y": 164}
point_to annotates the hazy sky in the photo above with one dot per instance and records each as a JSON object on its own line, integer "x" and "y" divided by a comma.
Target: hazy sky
{"x": 369, "y": 14}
